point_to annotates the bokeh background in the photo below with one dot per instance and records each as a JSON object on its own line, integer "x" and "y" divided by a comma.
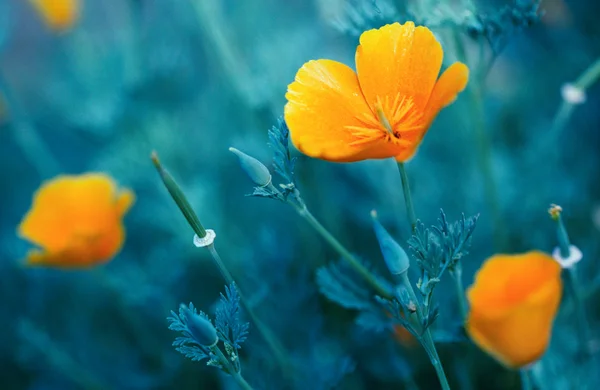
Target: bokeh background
{"x": 189, "y": 79}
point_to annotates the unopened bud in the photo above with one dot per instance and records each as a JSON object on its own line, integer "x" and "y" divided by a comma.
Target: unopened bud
{"x": 200, "y": 328}
{"x": 256, "y": 170}
{"x": 395, "y": 257}
{"x": 179, "y": 197}
{"x": 555, "y": 211}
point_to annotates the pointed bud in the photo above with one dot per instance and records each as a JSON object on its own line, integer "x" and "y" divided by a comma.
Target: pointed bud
{"x": 564, "y": 243}
{"x": 179, "y": 198}
{"x": 199, "y": 327}
{"x": 395, "y": 257}
{"x": 256, "y": 170}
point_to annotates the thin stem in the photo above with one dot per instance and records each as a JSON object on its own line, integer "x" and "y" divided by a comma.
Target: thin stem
{"x": 484, "y": 144}
{"x": 583, "y": 82}
{"x": 426, "y": 339}
{"x": 573, "y": 286}
{"x": 26, "y": 136}
{"x": 582, "y": 321}
{"x": 410, "y": 210}
{"x": 456, "y": 273}
{"x": 237, "y": 376}
{"x": 353, "y": 261}
{"x": 526, "y": 383}
{"x": 263, "y": 329}
{"x": 589, "y": 76}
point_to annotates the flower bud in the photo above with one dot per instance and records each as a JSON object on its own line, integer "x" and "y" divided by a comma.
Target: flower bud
{"x": 395, "y": 257}
{"x": 200, "y": 328}
{"x": 256, "y": 170}
{"x": 179, "y": 198}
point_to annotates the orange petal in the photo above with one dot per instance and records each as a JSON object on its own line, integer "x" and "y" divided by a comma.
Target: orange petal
{"x": 513, "y": 304}
{"x": 398, "y": 59}
{"x": 48, "y": 223}
{"x": 77, "y": 216}
{"x": 124, "y": 202}
{"x": 520, "y": 336}
{"x": 324, "y": 110}
{"x": 57, "y": 14}
{"x": 451, "y": 82}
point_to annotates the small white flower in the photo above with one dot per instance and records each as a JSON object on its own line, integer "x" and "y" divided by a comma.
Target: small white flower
{"x": 572, "y": 94}
{"x": 574, "y": 257}
{"x": 206, "y": 240}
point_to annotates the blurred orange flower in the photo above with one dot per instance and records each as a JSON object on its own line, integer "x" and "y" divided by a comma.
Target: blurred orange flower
{"x": 404, "y": 337}
{"x": 76, "y": 221}
{"x": 513, "y": 303}
{"x": 384, "y": 109}
{"x": 59, "y": 15}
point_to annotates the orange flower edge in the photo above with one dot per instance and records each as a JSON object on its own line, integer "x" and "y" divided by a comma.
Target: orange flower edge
{"x": 514, "y": 301}
{"x": 76, "y": 221}
{"x": 59, "y": 15}
{"x": 384, "y": 109}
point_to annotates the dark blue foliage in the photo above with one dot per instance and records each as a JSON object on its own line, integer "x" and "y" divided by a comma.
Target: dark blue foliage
{"x": 231, "y": 329}
{"x": 440, "y": 247}
{"x": 190, "y": 79}
{"x": 187, "y": 344}
{"x": 337, "y": 283}
{"x": 283, "y": 162}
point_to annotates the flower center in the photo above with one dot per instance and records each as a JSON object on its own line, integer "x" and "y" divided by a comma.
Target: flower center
{"x": 396, "y": 120}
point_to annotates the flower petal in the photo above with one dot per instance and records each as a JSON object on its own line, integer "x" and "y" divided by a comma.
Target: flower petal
{"x": 398, "y": 59}
{"x": 70, "y": 207}
{"x": 451, "y": 82}
{"x": 513, "y": 304}
{"x": 58, "y": 14}
{"x": 325, "y": 112}
{"x": 521, "y": 336}
{"x": 124, "y": 202}
{"x": 48, "y": 223}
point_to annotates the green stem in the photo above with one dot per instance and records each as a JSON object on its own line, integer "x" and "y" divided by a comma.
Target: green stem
{"x": 582, "y": 322}
{"x": 266, "y": 333}
{"x": 583, "y": 82}
{"x": 426, "y": 339}
{"x": 239, "y": 379}
{"x": 353, "y": 261}
{"x": 573, "y": 286}
{"x": 410, "y": 210}
{"x": 589, "y": 76}
{"x": 464, "y": 374}
{"x": 484, "y": 145}
{"x": 456, "y": 273}
{"x": 26, "y": 137}
{"x": 526, "y": 383}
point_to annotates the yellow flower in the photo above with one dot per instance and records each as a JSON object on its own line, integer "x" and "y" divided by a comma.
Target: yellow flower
{"x": 384, "y": 109}
{"x": 59, "y": 15}
{"x": 76, "y": 221}
{"x": 513, "y": 303}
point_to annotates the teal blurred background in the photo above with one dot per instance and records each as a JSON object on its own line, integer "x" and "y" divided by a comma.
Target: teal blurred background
{"x": 191, "y": 78}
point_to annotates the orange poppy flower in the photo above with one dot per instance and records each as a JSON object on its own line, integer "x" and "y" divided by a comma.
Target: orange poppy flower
{"x": 76, "y": 221}
{"x": 513, "y": 304}
{"x": 384, "y": 109}
{"x": 59, "y": 15}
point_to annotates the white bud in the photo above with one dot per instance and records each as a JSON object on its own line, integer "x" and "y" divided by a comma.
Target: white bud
{"x": 574, "y": 257}
{"x": 572, "y": 94}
